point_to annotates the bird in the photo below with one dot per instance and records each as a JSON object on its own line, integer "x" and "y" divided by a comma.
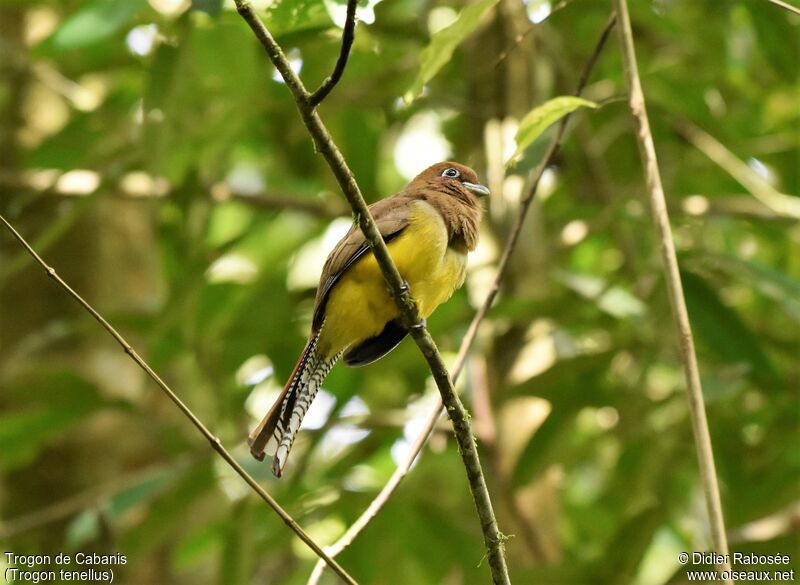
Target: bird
{"x": 429, "y": 227}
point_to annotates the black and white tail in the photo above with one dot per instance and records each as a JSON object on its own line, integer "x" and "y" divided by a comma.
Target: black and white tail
{"x": 275, "y": 433}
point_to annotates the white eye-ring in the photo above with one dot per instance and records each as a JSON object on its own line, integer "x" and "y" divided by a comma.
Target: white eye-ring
{"x": 451, "y": 172}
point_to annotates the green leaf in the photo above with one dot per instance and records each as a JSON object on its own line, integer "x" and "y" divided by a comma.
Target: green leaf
{"x": 291, "y": 16}
{"x": 94, "y": 22}
{"x": 141, "y": 492}
{"x": 444, "y": 42}
{"x": 83, "y": 528}
{"x": 538, "y": 119}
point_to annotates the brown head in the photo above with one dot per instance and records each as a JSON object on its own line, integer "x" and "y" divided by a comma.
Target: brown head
{"x": 453, "y": 178}
{"x": 455, "y": 191}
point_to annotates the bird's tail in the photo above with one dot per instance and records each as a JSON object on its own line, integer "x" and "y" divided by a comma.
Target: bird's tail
{"x": 275, "y": 433}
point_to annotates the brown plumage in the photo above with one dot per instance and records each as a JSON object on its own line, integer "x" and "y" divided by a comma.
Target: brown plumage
{"x": 429, "y": 227}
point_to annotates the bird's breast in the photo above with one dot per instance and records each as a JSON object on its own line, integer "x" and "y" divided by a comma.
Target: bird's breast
{"x": 432, "y": 269}
{"x": 359, "y": 306}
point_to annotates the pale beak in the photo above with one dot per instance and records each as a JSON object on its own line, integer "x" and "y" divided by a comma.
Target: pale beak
{"x": 477, "y": 189}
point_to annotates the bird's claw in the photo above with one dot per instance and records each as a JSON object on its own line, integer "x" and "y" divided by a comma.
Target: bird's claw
{"x": 421, "y": 325}
{"x": 404, "y": 288}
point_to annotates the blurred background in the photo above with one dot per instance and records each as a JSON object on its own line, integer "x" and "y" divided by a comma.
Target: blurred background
{"x": 152, "y": 155}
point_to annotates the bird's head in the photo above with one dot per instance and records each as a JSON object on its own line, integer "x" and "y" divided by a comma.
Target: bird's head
{"x": 451, "y": 177}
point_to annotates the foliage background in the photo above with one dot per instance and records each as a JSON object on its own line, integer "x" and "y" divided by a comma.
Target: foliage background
{"x": 147, "y": 151}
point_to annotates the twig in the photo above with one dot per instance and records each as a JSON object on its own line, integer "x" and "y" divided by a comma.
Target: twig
{"x": 215, "y": 442}
{"x": 530, "y": 28}
{"x": 265, "y": 200}
{"x": 493, "y": 539}
{"x": 348, "y": 36}
{"x": 273, "y": 200}
{"x": 658, "y": 207}
{"x": 466, "y": 343}
{"x": 779, "y": 203}
{"x": 785, "y": 5}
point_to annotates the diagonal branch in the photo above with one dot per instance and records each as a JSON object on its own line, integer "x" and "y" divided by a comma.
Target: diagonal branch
{"x": 493, "y": 539}
{"x": 658, "y": 209}
{"x": 348, "y": 36}
{"x": 785, "y": 6}
{"x": 216, "y": 444}
{"x": 760, "y": 188}
{"x": 466, "y": 343}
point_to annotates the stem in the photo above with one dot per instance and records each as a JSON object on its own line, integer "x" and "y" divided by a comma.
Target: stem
{"x": 658, "y": 207}
{"x": 348, "y": 36}
{"x": 785, "y": 6}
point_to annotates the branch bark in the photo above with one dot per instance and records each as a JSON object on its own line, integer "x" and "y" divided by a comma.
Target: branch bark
{"x": 466, "y": 343}
{"x": 348, "y": 36}
{"x": 785, "y": 6}
{"x": 658, "y": 208}
{"x": 215, "y": 442}
{"x": 492, "y": 537}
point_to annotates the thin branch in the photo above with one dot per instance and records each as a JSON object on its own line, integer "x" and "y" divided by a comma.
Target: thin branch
{"x": 215, "y": 442}
{"x": 786, "y": 6}
{"x": 218, "y": 192}
{"x": 779, "y": 203}
{"x": 658, "y": 208}
{"x": 531, "y": 27}
{"x": 109, "y": 186}
{"x": 348, "y": 36}
{"x": 270, "y": 200}
{"x": 493, "y": 539}
{"x": 466, "y": 343}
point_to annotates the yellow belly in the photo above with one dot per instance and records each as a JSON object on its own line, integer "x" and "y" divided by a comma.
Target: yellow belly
{"x": 359, "y": 306}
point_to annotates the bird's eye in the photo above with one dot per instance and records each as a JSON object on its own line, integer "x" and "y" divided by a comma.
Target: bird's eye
{"x": 451, "y": 172}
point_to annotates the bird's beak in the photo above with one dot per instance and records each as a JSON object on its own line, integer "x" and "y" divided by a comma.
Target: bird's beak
{"x": 477, "y": 189}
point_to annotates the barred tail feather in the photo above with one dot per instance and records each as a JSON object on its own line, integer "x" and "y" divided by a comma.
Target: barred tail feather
{"x": 276, "y": 432}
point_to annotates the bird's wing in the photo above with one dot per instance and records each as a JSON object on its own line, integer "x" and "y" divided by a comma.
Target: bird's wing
{"x": 391, "y": 216}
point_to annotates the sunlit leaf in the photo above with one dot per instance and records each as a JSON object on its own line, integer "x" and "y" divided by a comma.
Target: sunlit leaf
{"x": 437, "y": 54}
{"x": 537, "y": 120}
{"x": 288, "y": 16}
{"x": 94, "y": 22}
{"x": 83, "y": 528}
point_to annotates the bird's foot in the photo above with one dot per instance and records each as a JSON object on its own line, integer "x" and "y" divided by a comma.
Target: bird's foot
{"x": 421, "y": 325}
{"x": 404, "y": 288}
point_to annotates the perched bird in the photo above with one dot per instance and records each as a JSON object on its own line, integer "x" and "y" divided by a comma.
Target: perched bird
{"x": 428, "y": 227}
